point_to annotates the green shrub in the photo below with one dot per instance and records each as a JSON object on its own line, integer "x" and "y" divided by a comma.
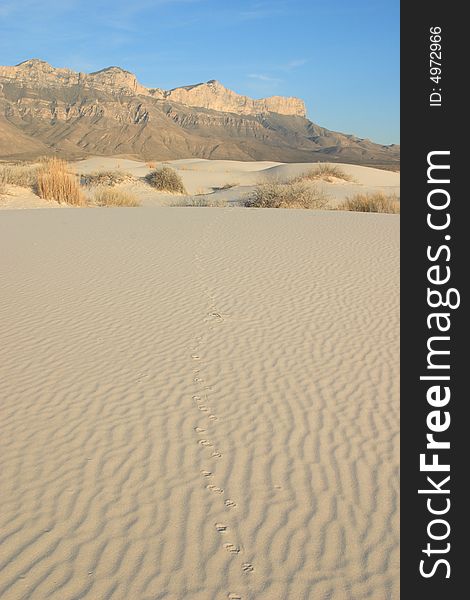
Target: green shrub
{"x": 166, "y": 179}
{"x": 293, "y": 194}
{"x": 108, "y": 178}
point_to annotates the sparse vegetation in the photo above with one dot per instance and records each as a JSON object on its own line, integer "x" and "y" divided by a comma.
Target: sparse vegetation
{"x": 325, "y": 172}
{"x": 377, "y": 202}
{"x": 54, "y": 182}
{"x": 206, "y": 201}
{"x": 109, "y": 178}
{"x": 113, "y": 197}
{"x": 166, "y": 179}
{"x": 23, "y": 175}
{"x": 293, "y": 194}
{"x": 226, "y": 186}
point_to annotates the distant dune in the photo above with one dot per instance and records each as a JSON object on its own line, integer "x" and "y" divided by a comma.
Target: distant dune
{"x": 216, "y": 181}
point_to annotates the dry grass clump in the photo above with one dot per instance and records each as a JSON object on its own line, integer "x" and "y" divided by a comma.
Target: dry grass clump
{"x": 114, "y": 197}
{"x": 226, "y": 186}
{"x": 166, "y": 179}
{"x": 293, "y": 194}
{"x": 23, "y": 175}
{"x": 377, "y": 202}
{"x": 205, "y": 201}
{"x": 326, "y": 172}
{"x": 3, "y": 181}
{"x": 108, "y": 178}
{"x": 54, "y": 182}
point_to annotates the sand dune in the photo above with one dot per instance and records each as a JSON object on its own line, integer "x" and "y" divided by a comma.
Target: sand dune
{"x": 215, "y": 180}
{"x": 199, "y": 404}
{"x": 209, "y": 177}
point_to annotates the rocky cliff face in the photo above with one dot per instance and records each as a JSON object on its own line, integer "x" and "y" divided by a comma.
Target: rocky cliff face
{"x": 48, "y": 110}
{"x": 116, "y": 81}
{"x": 213, "y": 95}
{"x": 37, "y": 73}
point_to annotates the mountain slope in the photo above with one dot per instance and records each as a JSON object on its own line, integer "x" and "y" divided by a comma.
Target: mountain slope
{"x": 47, "y": 110}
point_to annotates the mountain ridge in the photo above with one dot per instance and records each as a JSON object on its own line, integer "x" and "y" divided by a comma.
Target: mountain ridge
{"x": 58, "y": 110}
{"x": 202, "y": 95}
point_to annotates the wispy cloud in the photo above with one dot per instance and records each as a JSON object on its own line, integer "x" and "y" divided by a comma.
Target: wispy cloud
{"x": 266, "y": 78}
{"x": 283, "y": 68}
{"x": 294, "y": 64}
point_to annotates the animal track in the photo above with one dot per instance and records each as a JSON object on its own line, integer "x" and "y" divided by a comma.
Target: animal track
{"x": 232, "y": 548}
{"x": 215, "y": 316}
{"x": 202, "y": 397}
{"x": 205, "y": 443}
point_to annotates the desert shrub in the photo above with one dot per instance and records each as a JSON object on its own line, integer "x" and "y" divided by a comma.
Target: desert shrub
{"x": 108, "y": 178}
{"x": 376, "y": 202}
{"x": 114, "y": 197}
{"x": 166, "y": 179}
{"x": 201, "y": 201}
{"x": 326, "y": 172}
{"x": 293, "y": 194}
{"x": 54, "y": 182}
{"x": 23, "y": 175}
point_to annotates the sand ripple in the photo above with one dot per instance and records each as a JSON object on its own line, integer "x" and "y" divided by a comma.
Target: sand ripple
{"x": 199, "y": 404}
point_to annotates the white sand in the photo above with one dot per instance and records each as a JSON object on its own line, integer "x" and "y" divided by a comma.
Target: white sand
{"x": 199, "y": 404}
{"x": 17, "y": 198}
{"x": 202, "y": 176}
{"x": 207, "y": 177}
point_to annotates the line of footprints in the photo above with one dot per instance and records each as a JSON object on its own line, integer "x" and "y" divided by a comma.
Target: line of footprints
{"x": 201, "y": 404}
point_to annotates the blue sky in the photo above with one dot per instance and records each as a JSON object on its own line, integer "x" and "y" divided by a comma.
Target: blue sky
{"x": 340, "y": 56}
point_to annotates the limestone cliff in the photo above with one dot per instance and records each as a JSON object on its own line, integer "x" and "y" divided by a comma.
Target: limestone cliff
{"x": 116, "y": 81}
{"x": 213, "y": 95}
